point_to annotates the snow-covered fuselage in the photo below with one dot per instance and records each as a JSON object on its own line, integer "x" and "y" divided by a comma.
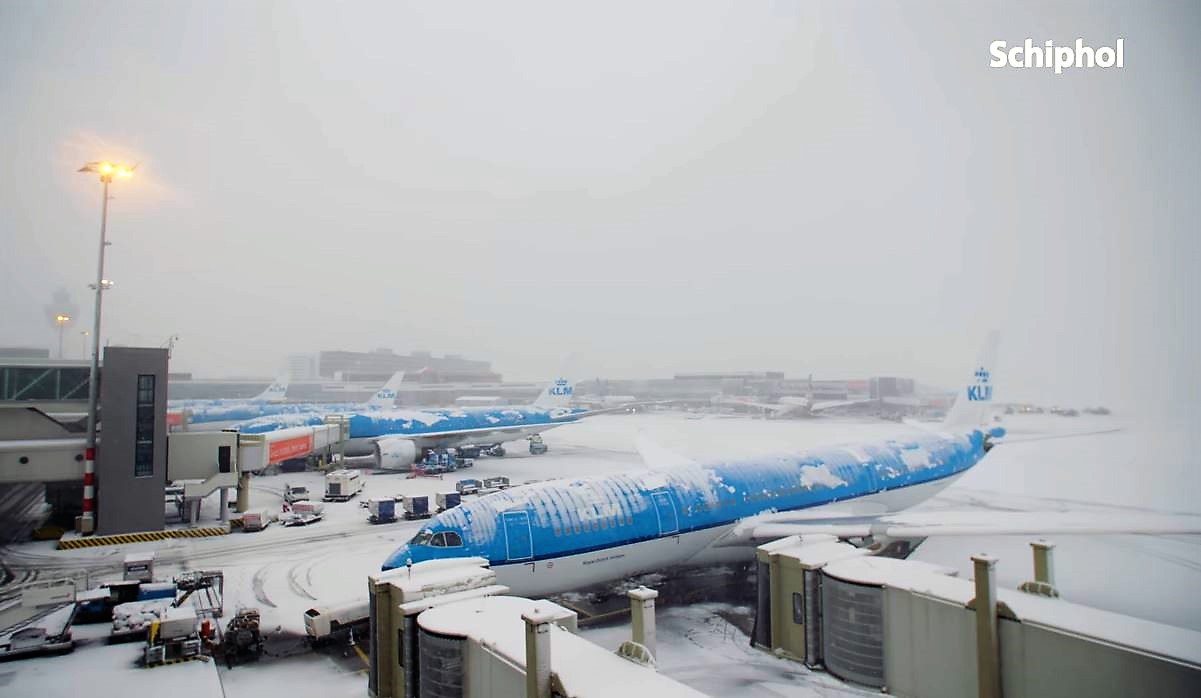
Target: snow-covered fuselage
{"x": 553, "y": 536}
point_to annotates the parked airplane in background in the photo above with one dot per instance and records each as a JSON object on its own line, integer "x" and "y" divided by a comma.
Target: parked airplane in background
{"x": 396, "y": 438}
{"x": 552, "y": 536}
{"x": 276, "y": 392}
{"x": 807, "y": 405}
{"x": 240, "y": 411}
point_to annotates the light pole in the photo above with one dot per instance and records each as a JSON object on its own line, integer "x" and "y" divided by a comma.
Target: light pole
{"x": 83, "y": 343}
{"x": 106, "y": 170}
{"x": 61, "y": 319}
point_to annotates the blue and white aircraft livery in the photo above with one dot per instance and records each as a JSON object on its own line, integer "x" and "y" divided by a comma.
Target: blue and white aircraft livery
{"x": 276, "y": 392}
{"x": 396, "y": 438}
{"x": 240, "y": 411}
{"x": 551, "y": 536}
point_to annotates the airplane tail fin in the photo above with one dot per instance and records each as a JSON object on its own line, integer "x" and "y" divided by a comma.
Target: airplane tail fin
{"x": 974, "y": 400}
{"x": 385, "y": 397}
{"x": 276, "y": 392}
{"x": 557, "y": 394}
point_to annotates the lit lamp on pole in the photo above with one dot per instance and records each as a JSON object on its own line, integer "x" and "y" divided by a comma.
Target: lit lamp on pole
{"x": 107, "y": 172}
{"x": 61, "y": 319}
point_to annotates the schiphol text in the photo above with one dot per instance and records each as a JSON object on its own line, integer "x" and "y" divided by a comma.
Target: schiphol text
{"x": 1028, "y": 54}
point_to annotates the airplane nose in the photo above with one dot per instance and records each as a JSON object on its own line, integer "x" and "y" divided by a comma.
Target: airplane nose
{"x": 400, "y": 558}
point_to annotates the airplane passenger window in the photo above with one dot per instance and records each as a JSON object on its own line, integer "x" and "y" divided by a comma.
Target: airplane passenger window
{"x": 452, "y": 539}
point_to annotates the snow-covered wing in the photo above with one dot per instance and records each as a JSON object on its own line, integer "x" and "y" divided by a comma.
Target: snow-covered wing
{"x": 831, "y": 404}
{"x": 433, "y": 439}
{"x": 654, "y": 455}
{"x": 977, "y": 523}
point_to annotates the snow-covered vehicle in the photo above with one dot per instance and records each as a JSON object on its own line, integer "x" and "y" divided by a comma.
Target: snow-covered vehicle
{"x": 295, "y": 493}
{"x": 303, "y": 513}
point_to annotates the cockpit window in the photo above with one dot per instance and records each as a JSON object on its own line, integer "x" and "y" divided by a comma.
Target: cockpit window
{"x": 422, "y": 538}
{"x": 446, "y": 539}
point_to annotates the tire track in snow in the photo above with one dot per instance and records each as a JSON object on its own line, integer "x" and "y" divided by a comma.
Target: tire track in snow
{"x": 294, "y": 583}
{"x": 256, "y": 584}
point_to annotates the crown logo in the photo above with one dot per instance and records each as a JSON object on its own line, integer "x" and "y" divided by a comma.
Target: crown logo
{"x": 982, "y": 375}
{"x": 560, "y": 381}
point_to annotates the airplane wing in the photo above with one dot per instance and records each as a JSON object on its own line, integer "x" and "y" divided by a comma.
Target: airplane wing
{"x": 486, "y": 435}
{"x": 963, "y": 523}
{"x": 656, "y": 456}
{"x": 606, "y": 410}
{"x": 777, "y": 408}
{"x": 830, "y": 404}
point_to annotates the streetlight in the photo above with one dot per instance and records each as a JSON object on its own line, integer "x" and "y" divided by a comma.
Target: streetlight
{"x": 61, "y": 319}
{"x": 106, "y": 170}
{"x": 83, "y": 343}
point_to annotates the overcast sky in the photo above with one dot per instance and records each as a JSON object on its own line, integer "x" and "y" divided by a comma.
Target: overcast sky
{"x": 834, "y": 188}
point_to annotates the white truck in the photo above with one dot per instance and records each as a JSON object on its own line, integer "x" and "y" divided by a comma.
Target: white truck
{"x": 341, "y": 485}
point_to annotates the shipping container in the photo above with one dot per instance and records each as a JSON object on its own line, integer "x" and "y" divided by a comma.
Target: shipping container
{"x": 256, "y": 520}
{"x": 381, "y": 510}
{"x": 447, "y": 500}
{"x": 469, "y": 486}
{"x": 417, "y": 507}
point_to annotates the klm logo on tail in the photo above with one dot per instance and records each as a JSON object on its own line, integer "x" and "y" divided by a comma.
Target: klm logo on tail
{"x": 386, "y": 394}
{"x": 981, "y": 391}
{"x": 561, "y": 388}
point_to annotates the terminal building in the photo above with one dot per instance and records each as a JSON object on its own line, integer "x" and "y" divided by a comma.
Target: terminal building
{"x": 349, "y": 377}
{"x": 379, "y": 365}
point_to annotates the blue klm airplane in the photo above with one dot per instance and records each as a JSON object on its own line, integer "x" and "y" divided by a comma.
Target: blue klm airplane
{"x": 552, "y": 536}
{"x": 396, "y": 438}
{"x": 271, "y": 403}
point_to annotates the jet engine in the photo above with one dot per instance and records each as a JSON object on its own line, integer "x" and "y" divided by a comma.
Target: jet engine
{"x": 395, "y": 453}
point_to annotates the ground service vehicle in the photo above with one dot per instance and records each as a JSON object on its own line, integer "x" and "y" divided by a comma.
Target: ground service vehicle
{"x": 341, "y": 485}
{"x": 295, "y": 493}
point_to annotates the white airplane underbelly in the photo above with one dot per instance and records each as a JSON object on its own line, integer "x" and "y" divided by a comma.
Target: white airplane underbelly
{"x": 543, "y": 577}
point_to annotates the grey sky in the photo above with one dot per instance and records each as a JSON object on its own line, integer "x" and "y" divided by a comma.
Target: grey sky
{"x": 809, "y": 187}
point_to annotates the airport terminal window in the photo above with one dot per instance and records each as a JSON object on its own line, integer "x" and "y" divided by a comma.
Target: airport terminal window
{"x": 143, "y": 441}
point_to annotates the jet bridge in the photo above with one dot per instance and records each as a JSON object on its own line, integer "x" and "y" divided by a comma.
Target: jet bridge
{"x": 34, "y": 447}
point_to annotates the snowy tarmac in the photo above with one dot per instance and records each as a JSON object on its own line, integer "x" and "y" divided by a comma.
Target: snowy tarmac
{"x": 1106, "y": 466}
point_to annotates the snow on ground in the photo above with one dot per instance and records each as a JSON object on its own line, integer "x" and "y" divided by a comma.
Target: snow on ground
{"x": 102, "y": 671}
{"x": 283, "y": 571}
